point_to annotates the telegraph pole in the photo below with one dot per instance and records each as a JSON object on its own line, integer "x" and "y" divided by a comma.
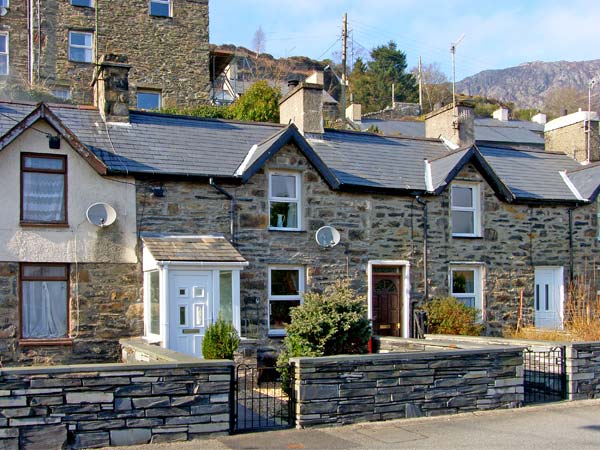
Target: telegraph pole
{"x": 344, "y": 69}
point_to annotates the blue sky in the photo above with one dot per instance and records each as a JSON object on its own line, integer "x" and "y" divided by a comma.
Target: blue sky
{"x": 498, "y": 34}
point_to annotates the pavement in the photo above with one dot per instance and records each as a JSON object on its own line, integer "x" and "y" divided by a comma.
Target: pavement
{"x": 556, "y": 426}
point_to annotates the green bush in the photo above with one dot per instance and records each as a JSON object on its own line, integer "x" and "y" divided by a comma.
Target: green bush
{"x": 447, "y": 315}
{"x": 220, "y": 341}
{"x": 331, "y": 323}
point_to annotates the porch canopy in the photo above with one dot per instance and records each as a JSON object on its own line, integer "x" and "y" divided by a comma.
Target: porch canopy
{"x": 207, "y": 249}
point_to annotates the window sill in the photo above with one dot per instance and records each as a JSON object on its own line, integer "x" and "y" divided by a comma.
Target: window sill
{"x": 288, "y": 230}
{"x": 466, "y": 236}
{"x": 46, "y": 342}
{"x": 81, "y": 62}
{"x": 44, "y": 224}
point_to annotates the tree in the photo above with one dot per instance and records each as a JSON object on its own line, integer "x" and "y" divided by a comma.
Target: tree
{"x": 373, "y": 87}
{"x": 259, "y": 41}
{"x": 568, "y": 98}
{"x": 436, "y": 86}
{"x": 260, "y": 103}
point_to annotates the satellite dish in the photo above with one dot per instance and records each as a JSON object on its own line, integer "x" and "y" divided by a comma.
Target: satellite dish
{"x": 327, "y": 237}
{"x": 3, "y": 11}
{"x": 101, "y": 214}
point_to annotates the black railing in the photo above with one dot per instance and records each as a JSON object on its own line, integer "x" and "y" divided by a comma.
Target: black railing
{"x": 545, "y": 379}
{"x": 260, "y": 402}
{"x": 419, "y": 327}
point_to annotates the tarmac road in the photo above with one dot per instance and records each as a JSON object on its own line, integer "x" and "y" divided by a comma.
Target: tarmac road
{"x": 557, "y": 426}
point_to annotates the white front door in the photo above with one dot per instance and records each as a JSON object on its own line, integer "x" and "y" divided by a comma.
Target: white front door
{"x": 548, "y": 297}
{"x": 190, "y": 297}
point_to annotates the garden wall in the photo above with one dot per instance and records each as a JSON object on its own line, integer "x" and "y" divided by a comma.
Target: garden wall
{"x": 350, "y": 389}
{"x": 113, "y": 404}
{"x": 583, "y": 370}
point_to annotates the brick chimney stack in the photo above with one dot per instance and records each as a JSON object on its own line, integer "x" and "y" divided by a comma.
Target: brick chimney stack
{"x": 303, "y": 106}
{"x": 111, "y": 88}
{"x": 455, "y": 125}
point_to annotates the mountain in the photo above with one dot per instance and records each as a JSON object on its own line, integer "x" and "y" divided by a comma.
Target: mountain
{"x": 528, "y": 84}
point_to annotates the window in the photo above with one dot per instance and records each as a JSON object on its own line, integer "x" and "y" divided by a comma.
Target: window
{"x": 63, "y": 93}
{"x": 3, "y": 53}
{"x": 43, "y": 189}
{"x": 81, "y": 46}
{"x": 286, "y": 286}
{"x": 466, "y": 213}
{"x": 284, "y": 201}
{"x": 154, "y": 301}
{"x": 44, "y": 301}
{"x": 148, "y": 100}
{"x": 466, "y": 285}
{"x": 4, "y": 3}
{"x": 160, "y": 8}
{"x": 226, "y": 295}
{"x": 86, "y": 3}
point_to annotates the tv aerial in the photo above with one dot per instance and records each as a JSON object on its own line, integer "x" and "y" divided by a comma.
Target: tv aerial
{"x": 327, "y": 237}
{"x": 101, "y": 214}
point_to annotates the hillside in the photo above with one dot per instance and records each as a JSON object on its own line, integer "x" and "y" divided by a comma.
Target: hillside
{"x": 528, "y": 84}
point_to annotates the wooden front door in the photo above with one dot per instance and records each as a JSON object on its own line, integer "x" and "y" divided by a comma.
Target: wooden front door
{"x": 386, "y": 302}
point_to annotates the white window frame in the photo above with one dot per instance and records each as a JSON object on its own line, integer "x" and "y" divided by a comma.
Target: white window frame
{"x": 90, "y": 48}
{"x": 90, "y": 4}
{"x": 275, "y": 298}
{"x": 475, "y": 209}
{"x": 149, "y": 91}
{"x": 169, "y": 3}
{"x": 477, "y": 270}
{"x": 6, "y": 53}
{"x": 297, "y": 200}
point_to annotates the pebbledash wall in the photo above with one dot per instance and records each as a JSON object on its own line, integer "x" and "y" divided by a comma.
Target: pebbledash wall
{"x": 515, "y": 238}
{"x": 168, "y": 54}
{"x": 350, "y": 389}
{"x": 175, "y": 398}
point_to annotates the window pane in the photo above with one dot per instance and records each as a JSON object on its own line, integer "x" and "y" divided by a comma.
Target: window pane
{"x": 280, "y": 313}
{"x": 44, "y": 309}
{"x": 4, "y": 3}
{"x": 469, "y": 301}
{"x": 3, "y": 43}
{"x": 148, "y": 100}
{"x": 283, "y": 186}
{"x": 3, "y": 64}
{"x": 463, "y": 222}
{"x": 159, "y": 8}
{"x": 82, "y": 3}
{"x": 154, "y": 303}
{"x": 463, "y": 282}
{"x": 225, "y": 289}
{"x": 284, "y": 215}
{"x": 83, "y": 39}
{"x": 43, "y": 197}
{"x": 32, "y": 162}
{"x": 44, "y": 272}
{"x": 462, "y": 196}
{"x": 285, "y": 282}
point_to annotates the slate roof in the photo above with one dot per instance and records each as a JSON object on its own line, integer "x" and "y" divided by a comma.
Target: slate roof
{"x": 192, "y": 248}
{"x": 182, "y": 146}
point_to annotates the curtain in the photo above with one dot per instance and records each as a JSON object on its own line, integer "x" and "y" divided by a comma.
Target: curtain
{"x": 44, "y": 309}
{"x": 43, "y": 197}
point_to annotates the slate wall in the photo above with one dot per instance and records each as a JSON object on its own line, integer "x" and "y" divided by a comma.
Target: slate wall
{"x": 583, "y": 370}
{"x": 113, "y": 404}
{"x": 351, "y": 389}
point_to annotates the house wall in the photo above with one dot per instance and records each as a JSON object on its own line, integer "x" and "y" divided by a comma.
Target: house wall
{"x": 572, "y": 140}
{"x": 167, "y": 53}
{"x": 105, "y": 277}
{"x": 516, "y": 238}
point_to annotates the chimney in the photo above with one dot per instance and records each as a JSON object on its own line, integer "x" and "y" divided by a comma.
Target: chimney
{"x": 501, "y": 114}
{"x": 539, "y": 118}
{"x": 111, "y": 88}
{"x": 354, "y": 112}
{"x": 317, "y": 77}
{"x": 576, "y": 135}
{"x": 455, "y": 125}
{"x": 304, "y": 107}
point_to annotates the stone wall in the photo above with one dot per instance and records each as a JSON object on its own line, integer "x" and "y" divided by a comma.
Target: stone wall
{"x": 583, "y": 370}
{"x": 113, "y": 404}
{"x": 167, "y": 53}
{"x": 350, "y": 389}
{"x": 572, "y": 140}
{"x": 106, "y": 305}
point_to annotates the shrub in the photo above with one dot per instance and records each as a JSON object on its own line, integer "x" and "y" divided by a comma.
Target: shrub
{"x": 331, "y": 323}
{"x": 220, "y": 341}
{"x": 447, "y": 315}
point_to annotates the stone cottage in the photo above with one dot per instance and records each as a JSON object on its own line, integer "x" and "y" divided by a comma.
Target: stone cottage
{"x": 218, "y": 216}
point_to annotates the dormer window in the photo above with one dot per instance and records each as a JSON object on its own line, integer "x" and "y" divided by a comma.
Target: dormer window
{"x": 284, "y": 201}
{"x": 465, "y": 210}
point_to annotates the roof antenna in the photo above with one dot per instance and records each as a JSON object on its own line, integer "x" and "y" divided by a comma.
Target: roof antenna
{"x": 453, "y": 52}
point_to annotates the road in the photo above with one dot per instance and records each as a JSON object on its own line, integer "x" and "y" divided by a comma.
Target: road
{"x": 558, "y": 426}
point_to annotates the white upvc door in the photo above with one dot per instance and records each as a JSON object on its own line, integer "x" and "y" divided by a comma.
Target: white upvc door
{"x": 549, "y": 297}
{"x": 190, "y": 303}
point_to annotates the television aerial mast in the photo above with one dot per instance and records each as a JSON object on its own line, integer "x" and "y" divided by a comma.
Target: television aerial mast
{"x": 453, "y": 52}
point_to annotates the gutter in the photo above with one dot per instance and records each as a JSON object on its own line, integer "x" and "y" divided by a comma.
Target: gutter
{"x": 231, "y": 199}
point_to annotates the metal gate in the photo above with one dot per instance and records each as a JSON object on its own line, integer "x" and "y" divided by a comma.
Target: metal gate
{"x": 545, "y": 379}
{"x": 259, "y": 401}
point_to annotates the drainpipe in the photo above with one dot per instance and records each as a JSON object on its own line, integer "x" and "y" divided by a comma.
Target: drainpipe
{"x": 231, "y": 208}
{"x": 425, "y": 232}
{"x": 571, "y": 256}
